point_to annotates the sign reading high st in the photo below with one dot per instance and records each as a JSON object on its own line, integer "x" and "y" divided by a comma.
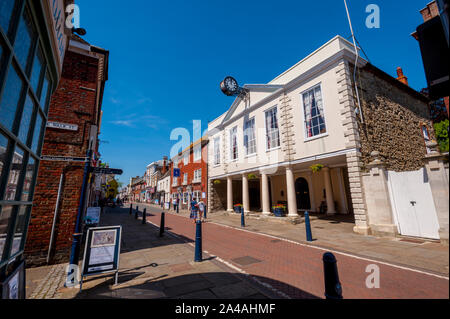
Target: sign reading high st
{"x": 63, "y": 126}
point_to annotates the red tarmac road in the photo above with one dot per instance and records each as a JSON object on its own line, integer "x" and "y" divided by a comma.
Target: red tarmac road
{"x": 297, "y": 270}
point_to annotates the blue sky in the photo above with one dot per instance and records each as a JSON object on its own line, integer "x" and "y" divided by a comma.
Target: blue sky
{"x": 167, "y": 58}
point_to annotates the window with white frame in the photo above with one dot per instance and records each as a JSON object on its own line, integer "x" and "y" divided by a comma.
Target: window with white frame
{"x": 233, "y": 144}
{"x": 217, "y": 151}
{"x": 249, "y": 137}
{"x": 197, "y": 153}
{"x": 185, "y": 178}
{"x": 186, "y": 158}
{"x": 196, "y": 195}
{"x": 272, "y": 131}
{"x": 197, "y": 175}
{"x": 185, "y": 198}
{"x": 175, "y": 181}
{"x": 313, "y": 112}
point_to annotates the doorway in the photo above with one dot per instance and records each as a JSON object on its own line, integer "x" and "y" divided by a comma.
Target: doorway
{"x": 302, "y": 192}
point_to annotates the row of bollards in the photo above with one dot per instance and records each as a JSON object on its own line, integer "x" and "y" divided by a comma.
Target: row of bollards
{"x": 333, "y": 288}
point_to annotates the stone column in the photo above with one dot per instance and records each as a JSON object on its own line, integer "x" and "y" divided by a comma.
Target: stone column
{"x": 311, "y": 191}
{"x": 437, "y": 178}
{"x": 331, "y": 210}
{"x": 245, "y": 198}
{"x": 291, "y": 195}
{"x": 265, "y": 194}
{"x": 378, "y": 202}
{"x": 229, "y": 194}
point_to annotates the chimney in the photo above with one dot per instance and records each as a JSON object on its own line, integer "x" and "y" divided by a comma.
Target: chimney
{"x": 164, "y": 166}
{"x": 401, "y": 77}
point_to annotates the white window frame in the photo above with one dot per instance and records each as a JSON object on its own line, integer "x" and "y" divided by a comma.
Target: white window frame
{"x": 247, "y": 153}
{"x": 275, "y": 107}
{"x": 186, "y": 158}
{"x": 185, "y": 198}
{"x": 175, "y": 181}
{"x": 216, "y": 151}
{"x": 302, "y": 110}
{"x": 197, "y": 153}
{"x": 234, "y": 129}
{"x": 196, "y": 194}
{"x": 197, "y": 176}
{"x": 185, "y": 178}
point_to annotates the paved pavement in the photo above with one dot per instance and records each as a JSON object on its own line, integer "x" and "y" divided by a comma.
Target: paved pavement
{"x": 295, "y": 268}
{"x": 150, "y": 268}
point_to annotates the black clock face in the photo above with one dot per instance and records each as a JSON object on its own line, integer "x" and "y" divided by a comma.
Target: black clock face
{"x": 229, "y": 86}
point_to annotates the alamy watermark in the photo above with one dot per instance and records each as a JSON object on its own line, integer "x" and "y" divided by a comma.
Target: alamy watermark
{"x": 373, "y": 280}
{"x": 373, "y": 19}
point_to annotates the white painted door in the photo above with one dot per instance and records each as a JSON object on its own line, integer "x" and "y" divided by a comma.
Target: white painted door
{"x": 413, "y": 204}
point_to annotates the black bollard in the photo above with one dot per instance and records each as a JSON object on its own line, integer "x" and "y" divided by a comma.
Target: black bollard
{"x": 161, "y": 225}
{"x": 131, "y": 209}
{"x": 242, "y": 217}
{"x": 178, "y": 207}
{"x": 204, "y": 212}
{"x": 136, "y": 212}
{"x": 198, "y": 241}
{"x": 144, "y": 216}
{"x": 333, "y": 288}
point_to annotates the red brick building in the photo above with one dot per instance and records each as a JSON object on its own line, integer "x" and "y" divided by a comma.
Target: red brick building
{"x": 193, "y": 180}
{"x": 74, "y": 120}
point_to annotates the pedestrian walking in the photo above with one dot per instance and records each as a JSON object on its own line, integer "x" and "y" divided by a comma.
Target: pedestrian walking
{"x": 194, "y": 210}
{"x": 201, "y": 209}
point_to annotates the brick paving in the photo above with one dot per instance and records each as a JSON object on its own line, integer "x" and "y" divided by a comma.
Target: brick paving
{"x": 296, "y": 269}
{"x": 150, "y": 268}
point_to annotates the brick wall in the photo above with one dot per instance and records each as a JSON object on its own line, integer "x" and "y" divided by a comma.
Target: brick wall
{"x": 73, "y": 102}
{"x": 393, "y": 114}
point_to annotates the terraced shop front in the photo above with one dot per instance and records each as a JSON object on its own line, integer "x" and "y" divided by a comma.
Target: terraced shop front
{"x": 32, "y": 47}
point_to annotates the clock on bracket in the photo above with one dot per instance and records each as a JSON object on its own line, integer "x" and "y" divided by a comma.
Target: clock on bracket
{"x": 229, "y": 86}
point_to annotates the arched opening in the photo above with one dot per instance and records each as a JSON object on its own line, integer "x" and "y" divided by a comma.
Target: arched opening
{"x": 302, "y": 192}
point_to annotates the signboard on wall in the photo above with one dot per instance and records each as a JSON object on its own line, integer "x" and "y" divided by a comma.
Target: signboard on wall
{"x": 63, "y": 126}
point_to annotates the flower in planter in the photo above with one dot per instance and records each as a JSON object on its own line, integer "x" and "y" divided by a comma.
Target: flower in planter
{"x": 238, "y": 205}
{"x": 251, "y": 176}
{"x": 217, "y": 181}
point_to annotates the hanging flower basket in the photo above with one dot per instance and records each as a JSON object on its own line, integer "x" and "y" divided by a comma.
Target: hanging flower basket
{"x": 316, "y": 168}
{"x": 279, "y": 210}
{"x": 251, "y": 176}
{"x": 217, "y": 182}
{"x": 237, "y": 208}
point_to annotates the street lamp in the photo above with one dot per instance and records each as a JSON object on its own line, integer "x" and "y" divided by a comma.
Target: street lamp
{"x": 80, "y": 31}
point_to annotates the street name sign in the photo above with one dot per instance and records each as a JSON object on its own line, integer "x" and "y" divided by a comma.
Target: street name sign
{"x": 63, "y": 126}
{"x": 62, "y": 158}
{"x": 104, "y": 170}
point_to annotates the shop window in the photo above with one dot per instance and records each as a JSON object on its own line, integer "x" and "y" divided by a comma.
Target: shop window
{"x": 6, "y": 10}
{"x": 45, "y": 93}
{"x": 14, "y": 173}
{"x": 26, "y": 120}
{"x": 29, "y": 175}
{"x": 24, "y": 40}
{"x": 3, "y": 148}
{"x": 36, "y": 71}
{"x": 37, "y": 133}
{"x": 10, "y": 98}
{"x": 19, "y": 231}
{"x": 185, "y": 198}
{"x": 5, "y": 217}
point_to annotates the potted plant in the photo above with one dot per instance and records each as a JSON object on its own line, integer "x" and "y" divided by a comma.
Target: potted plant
{"x": 251, "y": 176}
{"x": 316, "y": 168}
{"x": 217, "y": 182}
{"x": 279, "y": 210}
{"x": 237, "y": 208}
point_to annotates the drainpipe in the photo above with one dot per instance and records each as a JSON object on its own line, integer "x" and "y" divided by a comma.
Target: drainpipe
{"x": 50, "y": 246}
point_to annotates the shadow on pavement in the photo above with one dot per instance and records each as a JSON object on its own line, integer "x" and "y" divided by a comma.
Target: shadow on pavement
{"x": 210, "y": 285}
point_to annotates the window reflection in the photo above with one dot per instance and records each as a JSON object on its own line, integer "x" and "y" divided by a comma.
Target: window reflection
{"x": 44, "y": 93}
{"x": 3, "y": 146}
{"x": 6, "y": 9}
{"x": 24, "y": 39}
{"x": 10, "y": 98}
{"x": 26, "y": 120}
{"x": 36, "y": 72}
{"x": 26, "y": 195}
{"x": 19, "y": 230}
{"x": 37, "y": 134}
{"x": 14, "y": 173}
{"x": 5, "y": 217}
